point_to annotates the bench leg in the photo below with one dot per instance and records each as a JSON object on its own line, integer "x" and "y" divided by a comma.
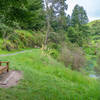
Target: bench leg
{"x": 8, "y": 67}
{"x": 8, "y": 70}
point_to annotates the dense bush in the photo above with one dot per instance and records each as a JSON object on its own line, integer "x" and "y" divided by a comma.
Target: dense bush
{"x": 23, "y": 39}
{"x": 8, "y": 46}
{"x": 73, "y": 57}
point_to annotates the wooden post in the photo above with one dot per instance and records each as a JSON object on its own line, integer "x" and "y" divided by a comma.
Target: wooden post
{"x": 0, "y": 63}
{"x": 7, "y": 66}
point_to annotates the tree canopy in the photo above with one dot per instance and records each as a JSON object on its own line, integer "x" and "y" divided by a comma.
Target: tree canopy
{"x": 79, "y": 16}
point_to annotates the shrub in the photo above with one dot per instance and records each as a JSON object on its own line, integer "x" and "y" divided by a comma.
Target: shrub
{"x": 72, "y": 57}
{"x": 78, "y": 59}
{"x": 66, "y": 56}
{"x": 23, "y": 39}
{"x": 89, "y": 50}
{"x": 38, "y": 39}
{"x": 53, "y": 52}
{"x": 8, "y": 46}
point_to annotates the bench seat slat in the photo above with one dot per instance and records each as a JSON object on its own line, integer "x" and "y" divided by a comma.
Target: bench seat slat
{"x": 4, "y": 68}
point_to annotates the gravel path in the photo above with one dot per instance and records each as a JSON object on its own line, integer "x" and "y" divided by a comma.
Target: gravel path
{"x": 12, "y": 54}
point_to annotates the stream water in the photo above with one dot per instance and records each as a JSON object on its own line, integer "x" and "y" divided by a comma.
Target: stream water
{"x": 91, "y": 68}
{"x": 95, "y": 75}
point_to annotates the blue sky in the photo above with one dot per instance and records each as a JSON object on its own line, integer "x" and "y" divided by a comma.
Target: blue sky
{"x": 92, "y": 7}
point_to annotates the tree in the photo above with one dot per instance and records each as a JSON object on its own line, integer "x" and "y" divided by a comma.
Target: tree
{"x": 60, "y": 10}
{"x": 72, "y": 34}
{"x": 78, "y": 34}
{"x": 68, "y": 19}
{"x": 57, "y": 13}
{"x": 35, "y": 19}
{"x": 79, "y": 16}
{"x": 23, "y": 14}
{"x": 28, "y": 13}
{"x": 55, "y": 17}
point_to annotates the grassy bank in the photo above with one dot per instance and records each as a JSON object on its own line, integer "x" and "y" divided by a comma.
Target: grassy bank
{"x": 22, "y": 39}
{"x": 47, "y": 79}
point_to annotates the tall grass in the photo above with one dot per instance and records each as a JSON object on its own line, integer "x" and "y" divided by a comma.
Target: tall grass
{"x": 46, "y": 79}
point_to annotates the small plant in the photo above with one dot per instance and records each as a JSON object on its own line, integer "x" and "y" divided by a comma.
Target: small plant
{"x": 53, "y": 52}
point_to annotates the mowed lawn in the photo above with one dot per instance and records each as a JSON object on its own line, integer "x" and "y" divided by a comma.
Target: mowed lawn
{"x": 46, "y": 79}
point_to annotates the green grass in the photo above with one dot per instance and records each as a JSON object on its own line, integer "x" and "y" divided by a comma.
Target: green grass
{"x": 46, "y": 79}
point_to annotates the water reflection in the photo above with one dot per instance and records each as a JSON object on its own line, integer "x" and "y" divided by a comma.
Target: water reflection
{"x": 93, "y": 76}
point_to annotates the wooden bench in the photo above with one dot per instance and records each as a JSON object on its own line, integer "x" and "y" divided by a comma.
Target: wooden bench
{"x": 4, "y": 68}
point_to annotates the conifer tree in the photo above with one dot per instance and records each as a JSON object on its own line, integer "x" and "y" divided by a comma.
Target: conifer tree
{"x": 79, "y": 16}
{"x": 27, "y": 13}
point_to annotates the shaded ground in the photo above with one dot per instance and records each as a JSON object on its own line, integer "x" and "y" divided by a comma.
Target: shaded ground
{"x": 10, "y": 79}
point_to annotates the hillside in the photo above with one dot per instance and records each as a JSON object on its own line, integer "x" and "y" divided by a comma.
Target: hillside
{"x": 95, "y": 31}
{"x": 22, "y": 39}
{"x": 95, "y": 27}
{"x": 46, "y": 79}
{"x": 93, "y": 22}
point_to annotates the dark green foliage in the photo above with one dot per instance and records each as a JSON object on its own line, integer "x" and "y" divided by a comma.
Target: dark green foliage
{"x": 78, "y": 31}
{"x": 78, "y": 34}
{"x": 7, "y": 7}
{"x": 74, "y": 27}
{"x": 59, "y": 6}
{"x": 29, "y": 14}
{"x": 57, "y": 14}
{"x": 23, "y": 39}
{"x": 36, "y": 16}
{"x": 89, "y": 50}
{"x": 79, "y": 16}
{"x": 68, "y": 19}
{"x": 5, "y": 4}
{"x": 25, "y": 12}
{"x": 20, "y": 14}
{"x": 72, "y": 34}
{"x": 53, "y": 52}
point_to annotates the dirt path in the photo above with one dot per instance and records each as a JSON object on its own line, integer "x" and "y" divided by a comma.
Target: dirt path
{"x": 10, "y": 79}
{"x": 12, "y": 54}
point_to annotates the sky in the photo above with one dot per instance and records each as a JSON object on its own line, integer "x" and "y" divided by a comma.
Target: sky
{"x": 92, "y": 7}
